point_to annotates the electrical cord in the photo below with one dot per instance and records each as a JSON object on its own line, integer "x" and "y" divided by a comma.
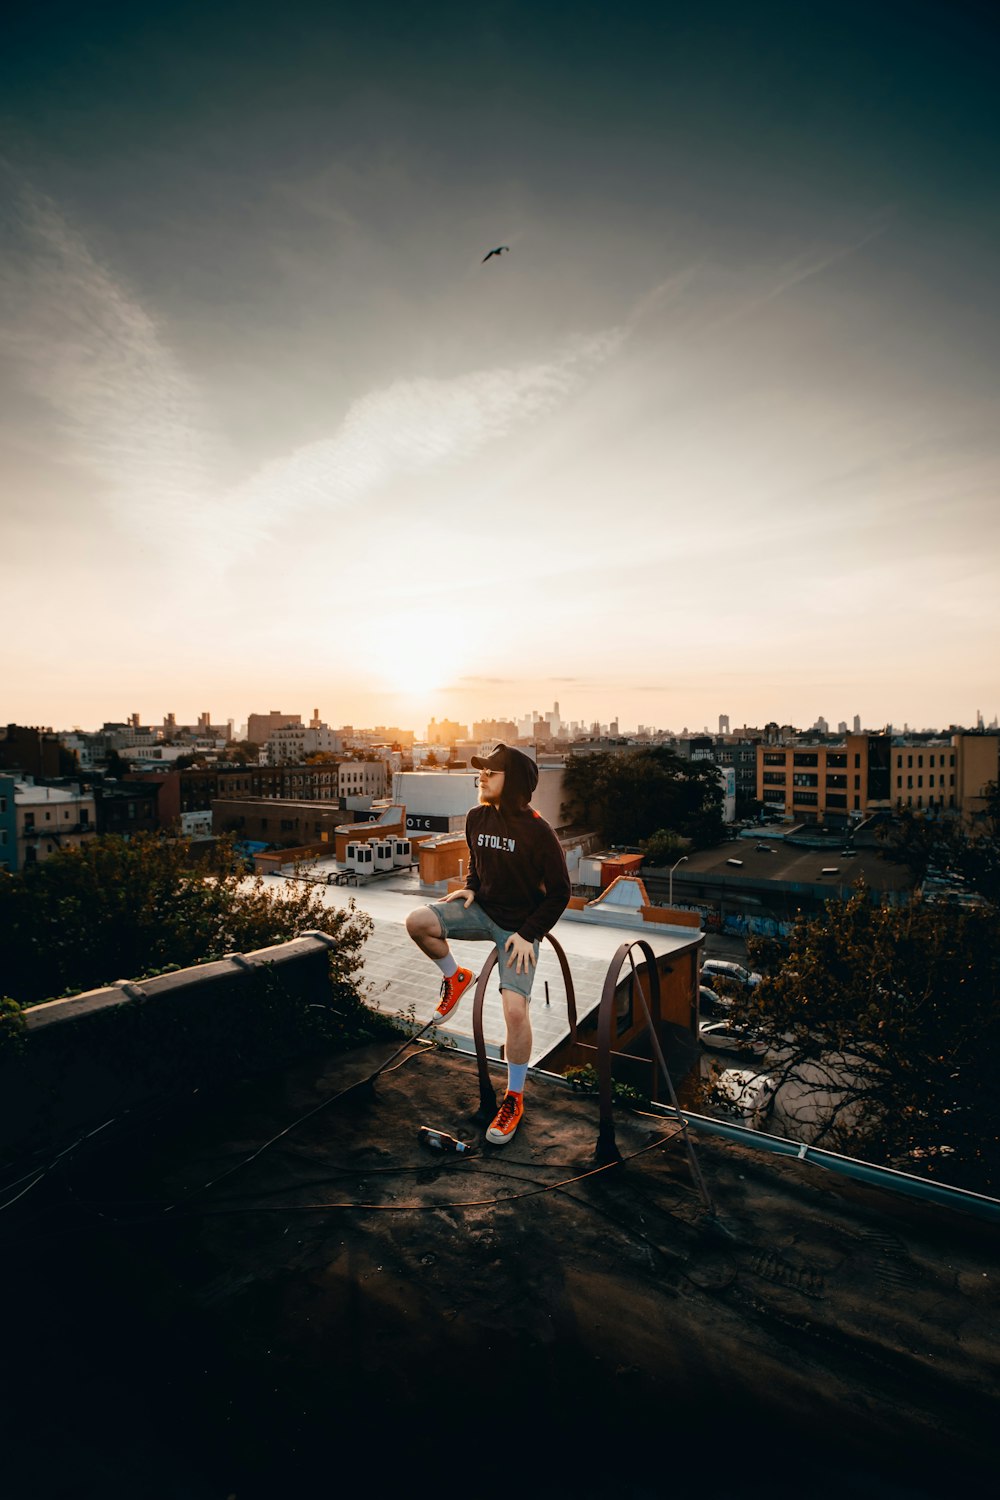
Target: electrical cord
{"x": 330, "y": 1099}
{"x": 446, "y": 1163}
{"x": 674, "y": 1259}
{"x": 44, "y": 1171}
{"x": 478, "y": 1165}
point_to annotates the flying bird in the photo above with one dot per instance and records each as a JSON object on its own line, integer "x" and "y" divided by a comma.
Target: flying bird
{"x": 498, "y": 251}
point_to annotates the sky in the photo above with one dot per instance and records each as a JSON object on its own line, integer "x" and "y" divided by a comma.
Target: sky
{"x": 717, "y": 433}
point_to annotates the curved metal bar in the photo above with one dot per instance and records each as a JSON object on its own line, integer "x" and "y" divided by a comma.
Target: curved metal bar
{"x": 607, "y": 1149}
{"x": 487, "y": 1093}
{"x": 688, "y": 1143}
{"x": 567, "y": 982}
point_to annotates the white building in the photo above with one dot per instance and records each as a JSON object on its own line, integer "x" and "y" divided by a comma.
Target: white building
{"x": 50, "y": 818}
{"x": 291, "y": 745}
{"x": 156, "y": 755}
{"x": 436, "y": 801}
{"x": 727, "y": 776}
{"x": 362, "y": 778}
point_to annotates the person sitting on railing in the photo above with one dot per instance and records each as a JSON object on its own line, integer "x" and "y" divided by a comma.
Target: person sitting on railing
{"x": 516, "y": 890}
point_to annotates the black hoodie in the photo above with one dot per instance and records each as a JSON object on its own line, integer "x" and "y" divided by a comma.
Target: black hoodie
{"x": 517, "y": 867}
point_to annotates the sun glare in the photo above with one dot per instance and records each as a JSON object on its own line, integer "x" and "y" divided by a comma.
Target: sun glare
{"x": 416, "y": 653}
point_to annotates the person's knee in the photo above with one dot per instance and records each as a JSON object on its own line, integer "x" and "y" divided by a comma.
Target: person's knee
{"x": 515, "y": 1005}
{"x": 422, "y": 923}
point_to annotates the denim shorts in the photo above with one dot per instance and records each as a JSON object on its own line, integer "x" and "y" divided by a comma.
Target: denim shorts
{"x": 471, "y": 924}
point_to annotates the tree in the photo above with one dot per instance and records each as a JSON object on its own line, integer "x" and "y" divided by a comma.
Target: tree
{"x": 970, "y": 851}
{"x": 629, "y": 795}
{"x": 883, "y": 1023}
{"x": 662, "y": 847}
{"x": 121, "y": 909}
{"x": 242, "y": 753}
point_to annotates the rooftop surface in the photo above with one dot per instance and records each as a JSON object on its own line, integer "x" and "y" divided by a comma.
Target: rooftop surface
{"x": 275, "y": 1290}
{"x": 791, "y": 862}
{"x": 402, "y": 982}
{"x": 190, "y": 1320}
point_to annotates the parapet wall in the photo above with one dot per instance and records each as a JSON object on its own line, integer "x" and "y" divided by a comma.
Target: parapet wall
{"x": 101, "y": 1054}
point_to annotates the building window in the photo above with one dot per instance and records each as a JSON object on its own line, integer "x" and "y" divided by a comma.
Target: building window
{"x": 805, "y": 799}
{"x": 774, "y": 778}
{"x": 899, "y": 781}
{"x": 909, "y": 760}
{"x": 803, "y": 758}
{"x": 772, "y": 796}
{"x": 29, "y": 820}
{"x": 920, "y": 782}
{"x": 838, "y": 759}
{"x": 805, "y": 778}
{"x": 909, "y": 781}
{"x": 836, "y": 799}
{"x": 836, "y": 780}
{"x": 857, "y": 761}
{"x": 930, "y": 781}
{"x": 857, "y": 783}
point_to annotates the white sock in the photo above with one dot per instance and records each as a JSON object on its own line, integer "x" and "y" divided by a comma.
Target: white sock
{"x": 516, "y": 1074}
{"x": 447, "y": 965}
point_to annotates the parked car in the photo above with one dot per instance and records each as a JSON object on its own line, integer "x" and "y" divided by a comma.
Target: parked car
{"x": 724, "y": 1036}
{"x": 710, "y": 1003}
{"x": 724, "y": 968}
{"x": 744, "y": 1093}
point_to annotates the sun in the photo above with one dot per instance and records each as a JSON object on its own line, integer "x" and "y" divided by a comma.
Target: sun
{"x": 415, "y": 652}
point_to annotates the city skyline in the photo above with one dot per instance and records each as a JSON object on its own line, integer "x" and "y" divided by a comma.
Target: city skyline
{"x": 568, "y": 724}
{"x": 717, "y": 433}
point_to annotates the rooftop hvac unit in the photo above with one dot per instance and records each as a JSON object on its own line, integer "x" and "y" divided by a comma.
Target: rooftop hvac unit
{"x": 402, "y": 852}
{"x": 382, "y": 850}
{"x": 360, "y": 858}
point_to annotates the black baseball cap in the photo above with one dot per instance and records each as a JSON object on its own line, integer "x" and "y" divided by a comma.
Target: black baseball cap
{"x": 518, "y": 767}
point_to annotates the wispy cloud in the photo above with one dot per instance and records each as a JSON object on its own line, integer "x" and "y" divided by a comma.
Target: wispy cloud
{"x": 412, "y": 426}
{"x": 83, "y": 342}
{"x": 773, "y": 284}
{"x": 129, "y": 412}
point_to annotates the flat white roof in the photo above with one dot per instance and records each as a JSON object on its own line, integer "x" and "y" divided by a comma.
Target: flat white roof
{"x": 28, "y": 795}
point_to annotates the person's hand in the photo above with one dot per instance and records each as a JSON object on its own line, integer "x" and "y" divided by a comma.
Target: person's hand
{"x": 522, "y": 953}
{"x": 463, "y": 895}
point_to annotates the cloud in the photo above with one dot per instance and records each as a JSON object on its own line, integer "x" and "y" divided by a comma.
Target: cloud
{"x": 797, "y": 270}
{"x": 86, "y": 345}
{"x": 410, "y": 427}
{"x": 129, "y": 413}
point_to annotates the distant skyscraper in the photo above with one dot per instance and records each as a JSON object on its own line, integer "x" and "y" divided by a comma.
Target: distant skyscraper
{"x": 857, "y": 723}
{"x": 842, "y": 727}
{"x": 723, "y": 723}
